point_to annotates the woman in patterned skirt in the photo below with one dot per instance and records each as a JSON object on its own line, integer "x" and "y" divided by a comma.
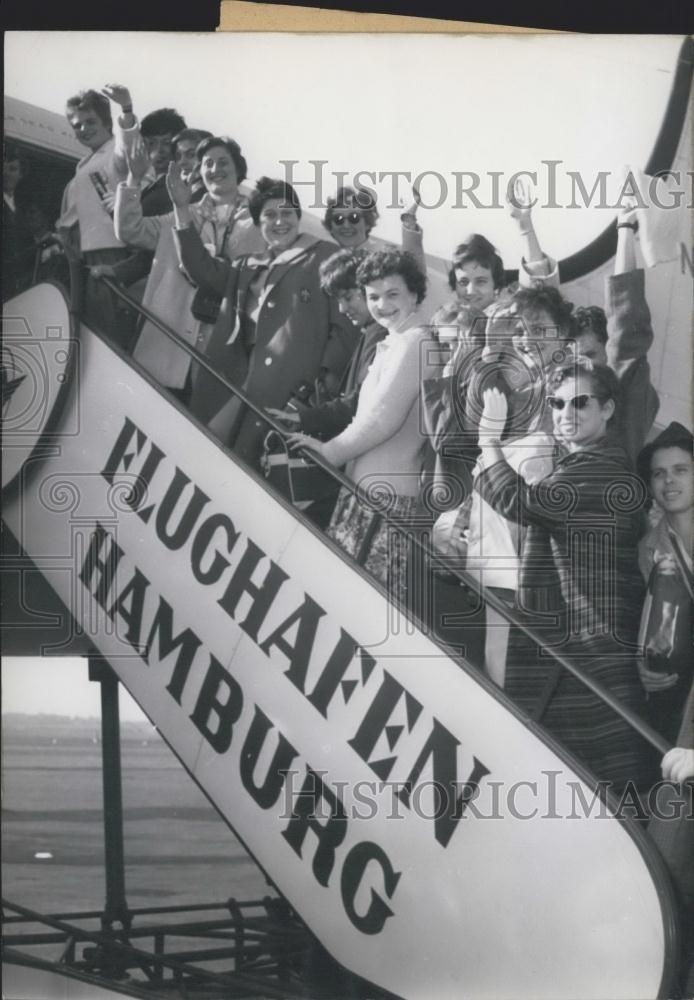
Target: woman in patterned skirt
{"x": 382, "y": 448}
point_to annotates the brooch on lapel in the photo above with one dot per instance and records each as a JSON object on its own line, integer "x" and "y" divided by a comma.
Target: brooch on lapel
{"x": 305, "y": 295}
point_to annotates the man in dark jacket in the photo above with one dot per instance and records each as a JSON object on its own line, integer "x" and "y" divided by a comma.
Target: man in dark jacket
{"x": 17, "y": 244}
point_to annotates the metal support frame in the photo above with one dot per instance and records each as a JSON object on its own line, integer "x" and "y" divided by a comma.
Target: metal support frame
{"x": 217, "y": 951}
{"x": 116, "y": 906}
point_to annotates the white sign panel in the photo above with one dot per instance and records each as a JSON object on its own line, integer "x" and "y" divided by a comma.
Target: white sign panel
{"x": 433, "y": 843}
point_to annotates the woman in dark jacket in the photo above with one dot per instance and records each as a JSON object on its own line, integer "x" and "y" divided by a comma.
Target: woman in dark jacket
{"x": 278, "y": 334}
{"x": 579, "y": 577}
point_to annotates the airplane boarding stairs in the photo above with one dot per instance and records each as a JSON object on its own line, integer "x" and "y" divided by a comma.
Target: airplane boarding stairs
{"x": 437, "y": 842}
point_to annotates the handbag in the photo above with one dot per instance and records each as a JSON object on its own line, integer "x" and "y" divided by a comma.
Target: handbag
{"x": 206, "y": 305}
{"x": 300, "y": 480}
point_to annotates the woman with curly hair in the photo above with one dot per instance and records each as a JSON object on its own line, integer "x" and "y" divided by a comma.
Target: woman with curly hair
{"x": 579, "y": 580}
{"x": 382, "y": 447}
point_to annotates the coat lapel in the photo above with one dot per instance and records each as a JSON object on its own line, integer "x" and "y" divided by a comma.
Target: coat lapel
{"x": 287, "y": 259}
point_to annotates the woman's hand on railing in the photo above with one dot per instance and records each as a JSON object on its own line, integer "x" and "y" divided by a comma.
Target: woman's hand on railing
{"x": 137, "y": 159}
{"x": 103, "y": 271}
{"x": 298, "y": 440}
{"x": 290, "y": 418}
{"x": 678, "y": 764}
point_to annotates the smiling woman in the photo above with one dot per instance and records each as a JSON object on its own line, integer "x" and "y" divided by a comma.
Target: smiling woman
{"x": 576, "y": 567}
{"x": 565, "y": 114}
{"x": 382, "y": 447}
{"x": 278, "y": 334}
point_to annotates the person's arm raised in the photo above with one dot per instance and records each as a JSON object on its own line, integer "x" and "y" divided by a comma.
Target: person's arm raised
{"x": 137, "y": 161}
{"x": 204, "y": 270}
{"x": 535, "y": 266}
{"x": 120, "y": 95}
{"x": 127, "y": 130}
{"x": 627, "y": 226}
{"x": 412, "y": 235}
{"x": 130, "y": 225}
{"x": 180, "y": 193}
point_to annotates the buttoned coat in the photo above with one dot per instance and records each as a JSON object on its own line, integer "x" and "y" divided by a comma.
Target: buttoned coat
{"x": 300, "y": 334}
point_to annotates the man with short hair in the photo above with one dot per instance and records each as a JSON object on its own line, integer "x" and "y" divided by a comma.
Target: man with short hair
{"x": 158, "y": 130}
{"x": 17, "y": 244}
{"x": 86, "y": 223}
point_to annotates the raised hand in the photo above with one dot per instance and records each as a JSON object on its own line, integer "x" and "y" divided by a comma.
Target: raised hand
{"x": 520, "y": 200}
{"x": 627, "y": 211}
{"x": 493, "y": 419}
{"x": 179, "y": 190}
{"x": 137, "y": 158}
{"x": 118, "y": 94}
{"x": 627, "y": 225}
{"x": 414, "y": 203}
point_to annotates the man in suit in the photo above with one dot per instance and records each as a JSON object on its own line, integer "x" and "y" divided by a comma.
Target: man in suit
{"x": 158, "y": 129}
{"x": 17, "y": 244}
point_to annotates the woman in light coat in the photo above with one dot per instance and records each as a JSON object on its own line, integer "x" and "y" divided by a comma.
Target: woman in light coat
{"x": 222, "y": 220}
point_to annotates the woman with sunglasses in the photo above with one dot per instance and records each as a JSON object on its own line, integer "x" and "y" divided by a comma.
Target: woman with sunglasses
{"x": 579, "y": 579}
{"x": 352, "y": 214}
{"x": 350, "y": 217}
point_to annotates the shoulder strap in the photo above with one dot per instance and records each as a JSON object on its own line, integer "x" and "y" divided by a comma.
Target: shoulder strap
{"x": 682, "y": 563}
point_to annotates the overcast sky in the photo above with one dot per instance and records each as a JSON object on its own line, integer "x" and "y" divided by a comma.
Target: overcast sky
{"x": 371, "y": 103}
{"x": 475, "y": 103}
{"x": 56, "y": 686}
